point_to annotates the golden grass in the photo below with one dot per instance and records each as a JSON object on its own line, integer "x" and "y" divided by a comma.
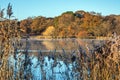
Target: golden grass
{"x": 103, "y": 64}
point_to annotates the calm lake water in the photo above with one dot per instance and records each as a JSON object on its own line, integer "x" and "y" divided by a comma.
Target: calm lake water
{"x": 59, "y": 44}
{"x": 56, "y": 65}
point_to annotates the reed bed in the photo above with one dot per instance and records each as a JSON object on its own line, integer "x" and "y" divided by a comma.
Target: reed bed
{"x": 102, "y": 63}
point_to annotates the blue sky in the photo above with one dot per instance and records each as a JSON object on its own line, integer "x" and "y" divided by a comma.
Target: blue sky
{"x": 51, "y": 8}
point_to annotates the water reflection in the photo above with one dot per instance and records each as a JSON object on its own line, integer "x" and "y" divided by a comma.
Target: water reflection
{"x": 58, "y": 44}
{"x": 40, "y": 61}
{"x": 48, "y": 68}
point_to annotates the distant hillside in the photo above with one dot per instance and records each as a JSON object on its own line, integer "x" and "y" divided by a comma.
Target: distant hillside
{"x": 72, "y": 24}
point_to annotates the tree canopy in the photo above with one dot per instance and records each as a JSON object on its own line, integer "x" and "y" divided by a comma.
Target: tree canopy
{"x": 71, "y": 24}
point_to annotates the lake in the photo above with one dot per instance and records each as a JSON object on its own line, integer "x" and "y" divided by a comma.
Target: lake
{"x": 51, "y": 59}
{"x": 59, "y": 44}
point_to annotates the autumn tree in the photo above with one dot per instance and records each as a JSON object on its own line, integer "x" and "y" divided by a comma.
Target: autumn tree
{"x": 62, "y": 22}
{"x": 25, "y": 26}
{"x": 72, "y": 24}
{"x": 38, "y": 25}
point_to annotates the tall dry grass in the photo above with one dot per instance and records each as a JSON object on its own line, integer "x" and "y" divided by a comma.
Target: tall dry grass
{"x": 102, "y": 64}
{"x": 9, "y": 39}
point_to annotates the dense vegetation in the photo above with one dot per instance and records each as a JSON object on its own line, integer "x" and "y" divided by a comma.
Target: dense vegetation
{"x": 101, "y": 64}
{"x": 72, "y": 24}
{"x": 69, "y": 24}
{"x": 9, "y": 40}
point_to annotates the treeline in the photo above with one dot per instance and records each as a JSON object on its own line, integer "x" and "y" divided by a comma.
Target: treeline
{"x": 72, "y": 24}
